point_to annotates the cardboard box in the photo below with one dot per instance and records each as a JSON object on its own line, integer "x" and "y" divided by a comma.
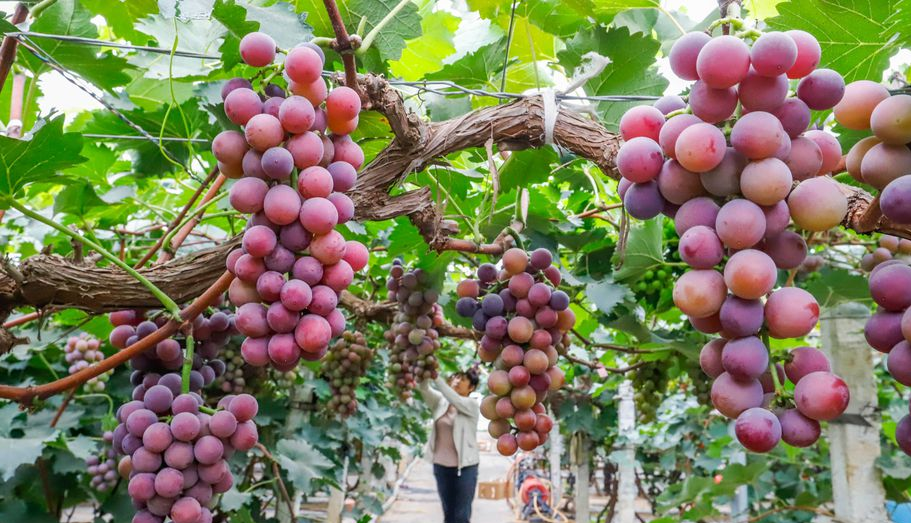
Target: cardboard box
{"x": 492, "y": 490}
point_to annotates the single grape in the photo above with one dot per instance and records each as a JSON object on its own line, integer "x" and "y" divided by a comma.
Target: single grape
{"x": 822, "y": 89}
{"x": 762, "y": 93}
{"x": 808, "y": 53}
{"x": 766, "y": 182}
{"x": 794, "y": 116}
{"x": 640, "y": 121}
{"x": 684, "y": 54}
{"x": 640, "y": 159}
{"x": 750, "y": 274}
{"x": 817, "y": 204}
{"x": 723, "y": 62}
{"x": 757, "y": 135}
{"x": 891, "y": 120}
{"x": 677, "y": 185}
{"x": 303, "y": 65}
{"x": 805, "y": 160}
{"x": 263, "y": 131}
{"x": 732, "y": 397}
{"x": 821, "y": 396}
{"x": 895, "y": 200}
{"x": 257, "y": 49}
{"x": 241, "y": 105}
{"x": 758, "y": 430}
{"x": 700, "y": 147}
{"x": 773, "y": 54}
{"x": 883, "y": 163}
{"x": 700, "y": 293}
{"x": 712, "y": 105}
{"x": 856, "y": 106}
{"x": 740, "y": 224}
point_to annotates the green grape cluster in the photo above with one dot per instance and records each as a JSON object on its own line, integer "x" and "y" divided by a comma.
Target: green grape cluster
{"x": 650, "y": 382}
{"x": 343, "y": 367}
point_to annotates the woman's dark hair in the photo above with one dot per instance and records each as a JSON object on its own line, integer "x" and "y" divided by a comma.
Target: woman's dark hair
{"x": 472, "y": 374}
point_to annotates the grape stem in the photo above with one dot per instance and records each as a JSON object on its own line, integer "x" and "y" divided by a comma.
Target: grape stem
{"x": 515, "y": 236}
{"x": 187, "y": 364}
{"x": 685, "y": 110}
{"x": 734, "y": 21}
{"x": 371, "y": 36}
{"x": 166, "y": 301}
{"x": 773, "y": 369}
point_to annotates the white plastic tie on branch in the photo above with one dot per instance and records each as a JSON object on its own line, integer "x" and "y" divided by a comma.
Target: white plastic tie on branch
{"x": 550, "y": 115}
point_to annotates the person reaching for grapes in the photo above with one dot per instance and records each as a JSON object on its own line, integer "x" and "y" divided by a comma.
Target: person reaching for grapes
{"x": 453, "y": 442}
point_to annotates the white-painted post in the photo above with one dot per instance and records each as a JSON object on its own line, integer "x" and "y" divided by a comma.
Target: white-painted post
{"x": 300, "y": 394}
{"x": 625, "y": 458}
{"x": 337, "y": 498}
{"x": 740, "y": 503}
{"x": 555, "y": 455}
{"x": 857, "y": 489}
{"x": 583, "y": 472}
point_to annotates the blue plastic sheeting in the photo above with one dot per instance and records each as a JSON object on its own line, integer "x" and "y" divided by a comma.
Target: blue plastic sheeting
{"x": 899, "y": 513}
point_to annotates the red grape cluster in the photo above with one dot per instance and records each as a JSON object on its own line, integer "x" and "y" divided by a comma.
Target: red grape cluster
{"x": 732, "y": 198}
{"x": 413, "y": 337}
{"x": 162, "y": 364}
{"x": 103, "y": 467}
{"x": 81, "y": 352}
{"x": 524, "y": 321}
{"x": 176, "y": 453}
{"x": 884, "y": 159}
{"x": 888, "y": 330}
{"x": 293, "y": 177}
{"x": 343, "y": 367}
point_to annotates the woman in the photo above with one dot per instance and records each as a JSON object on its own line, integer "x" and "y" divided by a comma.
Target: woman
{"x": 453, "y": 442}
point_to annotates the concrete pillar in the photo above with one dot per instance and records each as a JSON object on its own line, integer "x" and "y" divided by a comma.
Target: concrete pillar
{"x": 555, "y": 454}
{"x": 625, "y": 458}
{"x": 740, "y": 503}
{"x": 857, "y": 488}
{"x": 337, "y": 498}
{"x": 583, "y": 472}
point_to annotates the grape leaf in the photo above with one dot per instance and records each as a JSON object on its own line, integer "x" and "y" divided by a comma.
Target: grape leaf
{"x": 524, "y": 168}
{"x": 390, "y": 41}
{"x": 644, "y": 250}
{"x": 631, "y": 71}
{"x": 69, "y": 17}
{"x": 553, "y": 17}
{"x": 197, "y": 35}
{"x": 606, "y": 295}
{"x": 39, "y": 158}
{"x": 121, "y": 14}
{"x": 234, "y": 18}
{"x": 279, "y": 21}
{"x": 836, "y": 286}
{"x": 302, "y": 462}
{"x": 857, "y": 36}
{"x": 17, "y": 452}
{"x": 476, "y": 69}
{"x": 426, "y": 52}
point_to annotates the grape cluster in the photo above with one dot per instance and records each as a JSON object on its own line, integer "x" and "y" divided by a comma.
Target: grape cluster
{"x": 162, "y": 364}
{"x": 413, "y": 338}
{"x": 882, "y": 160}
{"x": 343, "y": 367}
{"x": 524, "y": 321}
{"x": 649, "y": 382}
{"x": 103, "y": 467}
{"x": 732, "y": 198}
{"x": 238, "y": 377}
{"x": 295, "y": 161}
{"x": 81, "y": 352}
{"x": 889, "y": 247}
{"x": 176, "y": 450}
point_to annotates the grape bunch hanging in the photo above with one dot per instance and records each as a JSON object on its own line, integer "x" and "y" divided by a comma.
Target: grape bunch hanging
{"x": 524, "y": 321}
{"x": 81, "y": 352}
{"x": 295, "y": 160}
{"x": 343, "y": 367}
{"x": 413, "y": 338}
{"x": 102, "y": 468}
{"x": 723, "y": 165}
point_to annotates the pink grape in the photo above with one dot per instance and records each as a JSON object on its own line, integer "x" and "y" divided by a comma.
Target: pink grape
{"x": 251, "y": 320}
{"x": 229, "y": 147}
{"x": 241, "y": 292}
{"x": 884, "y": 163}
{"x": 232, "y": 84}
{"x": 277, "y": 163}
{"x": 282, "y": 205}
{"x": 723, "y": 62}
{"x": 248, "y": 268}
{"x": 245, "y": 437}
{"x": 343, "y": 205}
{"x": 347, "y": 150}
{"x": 343, "y": 175}
{"x": 259, "y": 240}
{"x": 639, "y": 160}
{"x": 821, "y": 396}
{"x": 791, "y": 312}
{"x": 895, "y": 200}
{"x": 356, "y": 254}
{"x": 700, "y": 248}
{"x": 698, "y": 211}
{"x": 315, "y": 182}
{"x": 712, "y": 105}
{"x": 669, "y": 103}
{"x": 677, "y": 185}
{"x": 264, "y": 131}
{"x": 306, "y": 149}
{"x": 308, "y": 270}
{"x": 142, "y": 486}
{"x": 746, "y": 358}
{"x": 773, "y": 54}
{"x": 324, "y": 300}
{"x": 750, "y": 274}
{"x": 732, "y": 397}
{"x": 280, "y": 319}
{"x": 273, "y": 106}
{"x": 762, "y": 93}
{"x": 700, "y": 293}
{"x": 758, "y": 430}
{"x": 856, "y": 106}
{"x": 313, "y": 333}
{"x": 296, "y": 114}
{"x": 257, "y": 50}
{"x": 740, "y": 224}
{"x": 805, "y": 360}
{"x": 817, "y": 204}
{"x": 255, "y": 351}
{"x": 766, "y": 182}
{"x": 710, "y": 357}
{"x": 168, "y": 482}
{"x": 889, "y": 287}
{"x": 295, "y": 295}
{"x": 684, "y": 54}
{"x": 808, "y": 53}
{"x": 233, "y": 171}
{"x": 303, "y": 65}
{"x": 280, "y": 259}
{"x": 295, "y": 237}
{"x": 777, "y": 218}
{"x": 252, "y": 164}
{"x": 740, "y": 317}
{"x": 343, "y": 103}
{"x": 641, "y": 121}
{"x": 794, "y": 116}
{"x": 315, "y": 91}
{"x": 822, "y": 89}
{"x": 883, "y": 330}
{"x": 757, "y": 135}
{"x": 700, "y": 147}
{"x": 643, "y": 200}
{"x": 319, "y": 216}
{"x": 724, "y": 180}
{"x": 244, "y": 407}
{"x": 798, "y": 430}
{"x": 284, "y": 350}
{"x": 247, "y": 195}
{"x": 805, "y": 160}
{"x": 787, "y": 249}
{"x": 891, "y": 120}
{"x": 241, "y": 105}
{"x": 667, "y": 137}
{"x": 339, "y": 276}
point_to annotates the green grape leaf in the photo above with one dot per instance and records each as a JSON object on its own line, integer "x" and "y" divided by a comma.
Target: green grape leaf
{"x": 477, "y": 69}
{"x": 553, "y": 16}
{"x": 69, "y": 17}
{"x": 631, "y": 70}
{"x": 606, "y": 295}
{"x": 234, "y": 18}
{"x": 390, "y": 41}
{"x": 302, "y": 462}
{"x": 834, "y": 286}
{"x": 120, "y": 15}
{"x": 644, "y": 251}
{"x": 196, "y": 35}
{"x": 857, "y": 36}
{"x": 524, "y": 168}
{"x": 17, "y": 452}
{"x": 317, "y": 16}
{"x": 427, "y": 52}
{"x": 38, "y": 158}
